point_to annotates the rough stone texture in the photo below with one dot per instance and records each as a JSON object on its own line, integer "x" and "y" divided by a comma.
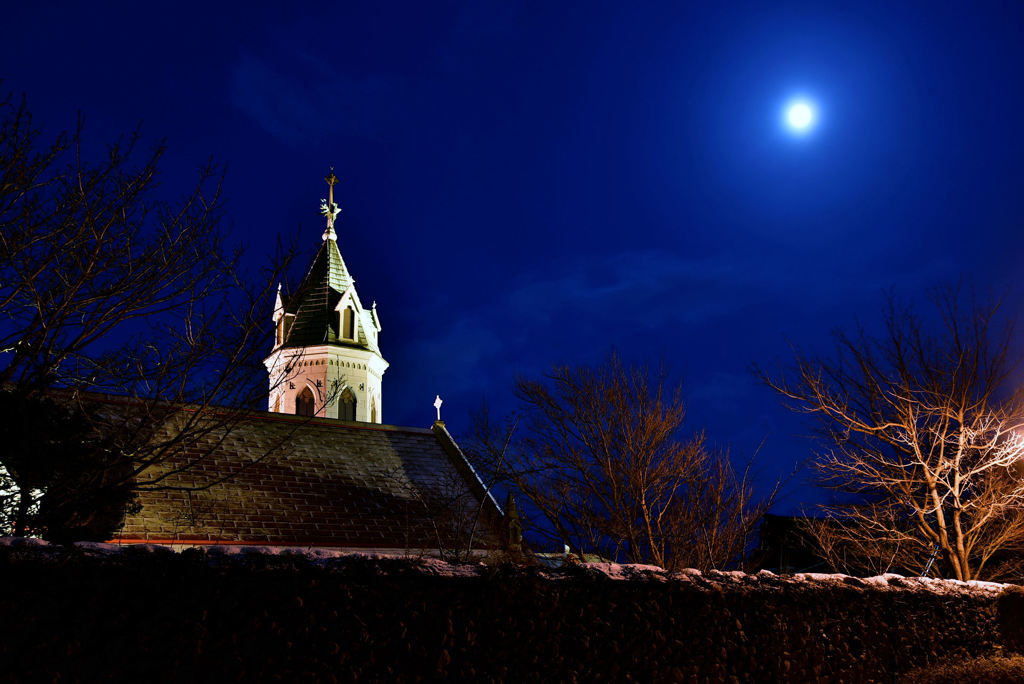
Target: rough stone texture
{"x": 145, "y": 614}
{"x": 286, "y": 480}
{"x": 1011, "y": 618}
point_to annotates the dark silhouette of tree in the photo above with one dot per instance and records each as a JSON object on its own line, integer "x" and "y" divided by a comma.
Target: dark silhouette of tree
{"x": 923, "y": 445}
{"x": 58, "y": 478}
{"x": 600, "y": 453}
{"x": 129, "y": 309}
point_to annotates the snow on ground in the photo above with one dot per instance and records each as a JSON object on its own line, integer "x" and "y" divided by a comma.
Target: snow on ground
{"x": 438, "y": 568}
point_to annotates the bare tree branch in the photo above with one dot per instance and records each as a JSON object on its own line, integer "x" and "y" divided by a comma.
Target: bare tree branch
{"x": 105, "y": 288}
{"x": 924, "y": 434}
{"x": 602, "y": 457}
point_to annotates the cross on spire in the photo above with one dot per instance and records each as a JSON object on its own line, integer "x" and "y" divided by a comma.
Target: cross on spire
{"x": 328, "y": 208}
{"x": 331, "y": 180}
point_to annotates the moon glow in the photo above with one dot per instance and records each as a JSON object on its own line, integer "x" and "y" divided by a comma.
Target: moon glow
{"x": 800, "y": 116}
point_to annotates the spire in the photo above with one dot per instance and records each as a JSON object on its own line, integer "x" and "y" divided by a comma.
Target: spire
{"x": 315, "y": 301}
{"x": 329, "y": 209}
{"x": 316, "y": 310}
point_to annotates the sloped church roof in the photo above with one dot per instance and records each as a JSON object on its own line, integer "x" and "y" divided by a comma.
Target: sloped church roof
{"x": 284, "y": 480}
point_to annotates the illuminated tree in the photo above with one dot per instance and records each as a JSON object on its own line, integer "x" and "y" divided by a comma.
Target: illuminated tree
{"x": 106, "y": 288}
{"x": 601, "y": 455}
{"x": 924, "y": 452}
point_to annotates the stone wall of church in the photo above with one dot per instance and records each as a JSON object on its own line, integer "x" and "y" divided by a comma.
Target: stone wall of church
{"x": 148, "y": 614}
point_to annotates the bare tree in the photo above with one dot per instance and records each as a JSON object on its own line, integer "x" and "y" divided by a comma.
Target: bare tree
{"x": 923, "y": 427}
{"x": 600, "y": 454}
{"x": 851, "y": 548}
{"x": 107, "y": 289}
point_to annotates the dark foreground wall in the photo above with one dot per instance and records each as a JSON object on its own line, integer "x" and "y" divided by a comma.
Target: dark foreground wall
{"x": 87, "y": 614}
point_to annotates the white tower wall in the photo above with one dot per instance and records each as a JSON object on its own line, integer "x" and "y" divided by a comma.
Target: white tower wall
{"x": 327, "y": 371}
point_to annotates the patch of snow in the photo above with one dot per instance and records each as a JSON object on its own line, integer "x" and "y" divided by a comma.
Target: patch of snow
{"x": 321, "y": 554}
{"x": 619, "y": 571}
{"x": 986, "y": 586}
{"x": 441, "y": 568}
{"x": 385, "y": 564}
{"x": 737, "y": 575}
{"x": 23, "y": 541}
{"x": 727, "y": 576}
{"x": 811, "y": 576}
{"x": 145, "y": 548}
{"x": 877, "y": 581}
{"x": 242, "y": 550}
{"x": 98, "y": 548}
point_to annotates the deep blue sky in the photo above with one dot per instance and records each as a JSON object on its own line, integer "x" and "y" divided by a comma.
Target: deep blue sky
{"x": 525, "y": 184}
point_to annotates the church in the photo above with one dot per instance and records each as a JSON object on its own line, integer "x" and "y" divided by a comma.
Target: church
{"x": 320, "y": 468}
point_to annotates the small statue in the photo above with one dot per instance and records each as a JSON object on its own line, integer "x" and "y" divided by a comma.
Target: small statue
{"x": 331, "y": 210}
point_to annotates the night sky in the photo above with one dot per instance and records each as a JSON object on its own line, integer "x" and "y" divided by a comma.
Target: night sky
{"x": 525, "y": 184}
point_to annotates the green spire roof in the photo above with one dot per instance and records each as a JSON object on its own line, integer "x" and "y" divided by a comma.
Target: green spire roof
{"x": 312, "y": 315}
{"x": 314, "y": 304}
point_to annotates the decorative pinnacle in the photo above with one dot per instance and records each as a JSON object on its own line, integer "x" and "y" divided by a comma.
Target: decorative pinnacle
{"x": 437, "y": 404}
{"x": 328, "y": 208}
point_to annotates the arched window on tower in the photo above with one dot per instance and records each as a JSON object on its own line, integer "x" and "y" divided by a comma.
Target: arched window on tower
{"x": 347, "y": 405}
{"x": 348, "y": 323}
{"x": 373, "y": 410}
{"x": 304, "y": 403}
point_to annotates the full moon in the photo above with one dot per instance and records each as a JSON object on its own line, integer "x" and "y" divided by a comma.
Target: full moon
{"x": 800, "y": 116}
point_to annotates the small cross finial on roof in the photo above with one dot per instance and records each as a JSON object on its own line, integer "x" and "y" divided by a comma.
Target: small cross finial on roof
{"x": 437, "y": 405}
{"x": 331, "y": 181}
{"x": 328, "y": 208}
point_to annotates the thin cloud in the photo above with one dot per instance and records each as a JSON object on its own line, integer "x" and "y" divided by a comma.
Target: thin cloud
{"x": 304, "y": 111}
{"x": 583, "y": 308}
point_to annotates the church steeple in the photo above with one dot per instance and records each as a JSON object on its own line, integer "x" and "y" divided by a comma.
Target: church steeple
{"x": 326, "y": 359}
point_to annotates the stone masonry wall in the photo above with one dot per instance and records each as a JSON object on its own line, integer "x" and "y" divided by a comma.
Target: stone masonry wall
{"x": 96, "y": 612}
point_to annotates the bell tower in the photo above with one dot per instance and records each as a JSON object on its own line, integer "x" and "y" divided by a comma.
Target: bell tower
{"x": 326, "y": 361}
